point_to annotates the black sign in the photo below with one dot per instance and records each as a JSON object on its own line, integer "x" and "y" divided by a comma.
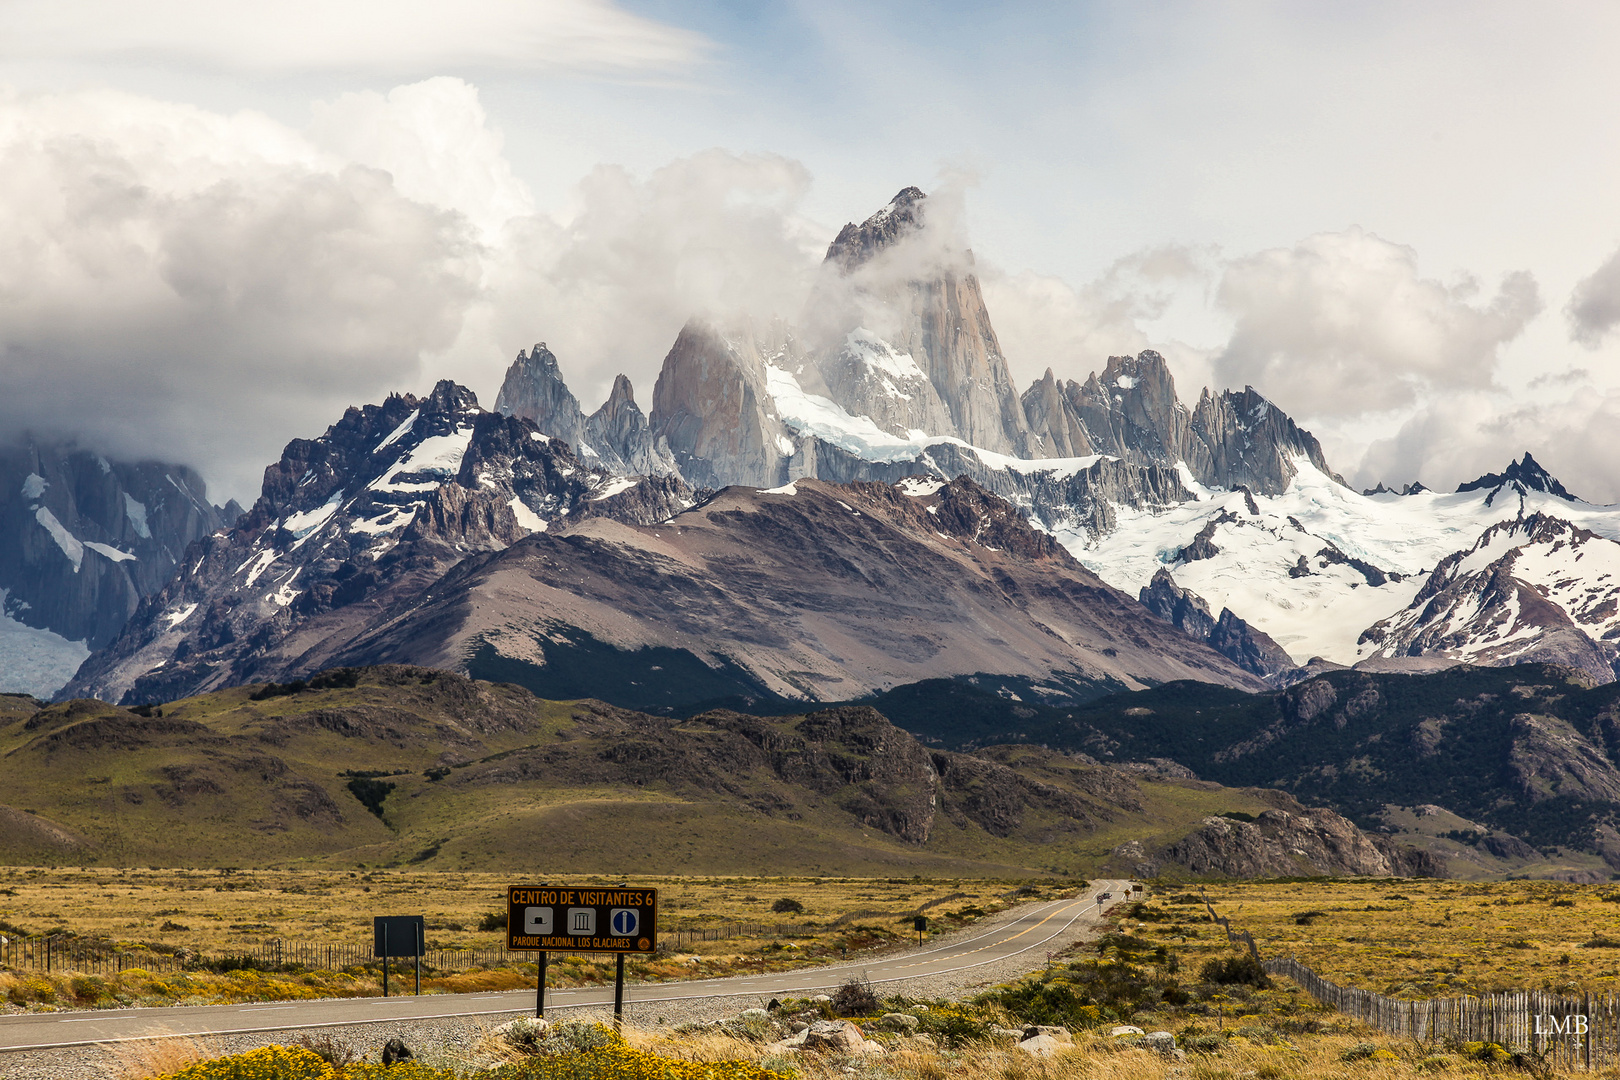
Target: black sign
{"x": 919, "y": 923}
{"x": 397, "y": 935}
{"x": 567, "y": 918}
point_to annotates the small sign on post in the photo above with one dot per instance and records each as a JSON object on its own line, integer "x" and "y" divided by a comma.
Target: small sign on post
{"x": 397, "y": 936}
{"x": 565, "y": 918}
{"x": 919, "y": 923}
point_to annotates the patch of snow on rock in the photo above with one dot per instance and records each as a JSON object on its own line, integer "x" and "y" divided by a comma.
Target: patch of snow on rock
{"x": 135, "y": 511}
{"x": 33, "y": 486}
{"x": 70, "y": 545}
{"x": 526, "y": 518}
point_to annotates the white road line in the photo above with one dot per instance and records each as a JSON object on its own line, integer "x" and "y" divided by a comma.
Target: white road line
{"x": 1081, "y": 904}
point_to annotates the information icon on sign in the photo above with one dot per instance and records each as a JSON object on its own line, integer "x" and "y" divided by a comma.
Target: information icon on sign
{"x": 537, "y": 920}
{"x": 624, "y": 921}
{"x": 582, "y": 920}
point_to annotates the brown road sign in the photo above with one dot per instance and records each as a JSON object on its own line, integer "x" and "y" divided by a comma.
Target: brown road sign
{"x": 568, "y": 918}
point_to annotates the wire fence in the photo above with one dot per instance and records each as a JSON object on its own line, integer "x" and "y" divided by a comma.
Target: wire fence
{"x": 62, "y": 953}
{"x": 1569, "y": 1032}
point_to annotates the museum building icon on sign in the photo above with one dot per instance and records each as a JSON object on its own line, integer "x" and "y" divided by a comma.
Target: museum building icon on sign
{"x": 582, "y": 921}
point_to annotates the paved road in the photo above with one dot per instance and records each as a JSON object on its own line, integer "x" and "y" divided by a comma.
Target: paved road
{"x": 1027, "y": 932}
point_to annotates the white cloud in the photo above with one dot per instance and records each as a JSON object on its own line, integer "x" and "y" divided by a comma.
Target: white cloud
{"x": 1459, "y": 437}
{"x": 184, "y": 285}
{"x": 435, "y": 140}
{"x": 1594, "y": 306}
{"x": 394, "y": 37}
{"x": 715, "y": 235}
{"x": 1342, "y": 324}
{"x": 1043, "y": 321}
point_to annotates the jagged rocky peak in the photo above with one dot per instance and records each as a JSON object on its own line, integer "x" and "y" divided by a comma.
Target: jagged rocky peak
{"x": 368, "y": 514}
{"x": 534, "y": 390}
{"x": 1524, "y": 476}
{"x": 713, "y": 410}
{"x": 906, "y": 339}
{"x": 1130, "y": 410}
{"x": 616, "y": 437}
{"x": 618, "y": 433}
{"x": 856, "y": 244}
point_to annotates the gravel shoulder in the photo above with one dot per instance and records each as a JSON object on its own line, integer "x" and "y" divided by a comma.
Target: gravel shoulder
{"x": 452, "y": 1038}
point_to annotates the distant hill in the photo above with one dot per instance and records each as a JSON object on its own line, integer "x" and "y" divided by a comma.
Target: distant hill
{"x": 400, "y": 765}
{"x": 1499, "y": 770}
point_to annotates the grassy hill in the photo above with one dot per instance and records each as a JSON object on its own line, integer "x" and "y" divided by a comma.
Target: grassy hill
{"x": 1510, "y": 770}
{"x": 400, "y": 766}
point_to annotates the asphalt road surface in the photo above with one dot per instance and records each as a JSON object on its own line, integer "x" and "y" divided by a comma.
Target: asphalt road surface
{"x": 1027, "y": 932}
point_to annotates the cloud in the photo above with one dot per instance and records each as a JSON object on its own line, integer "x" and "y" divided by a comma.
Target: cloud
{"x": 1043, "y": 321}
{"x": 188, "y": 286}
{"x": 715, "y": 235}
{"x": 434, "y": 139}
{"x": 594, "y": 37}
{"x": 1594, "y": 306}
{"x": 1342, "y": 324}
{"x": 1460, "y": 437}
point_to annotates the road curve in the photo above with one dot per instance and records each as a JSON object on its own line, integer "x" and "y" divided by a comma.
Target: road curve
{"x": 1026, "y": 933}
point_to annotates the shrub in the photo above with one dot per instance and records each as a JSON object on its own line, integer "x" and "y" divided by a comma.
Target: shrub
{"x": 1359, "y": 1052}
{"x": 495, "y": 920}
{"x": 855, "y": 998}
{"x": 1085, "y": 993}
{"x": 1235, "y": 971}
{"x": 787, "y": 906}
{"x": 265, "y": 1063}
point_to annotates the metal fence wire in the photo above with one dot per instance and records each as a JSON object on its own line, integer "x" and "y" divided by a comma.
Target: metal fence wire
{"x": 88, "y": 957}
{"x": 1570, "y": 1032}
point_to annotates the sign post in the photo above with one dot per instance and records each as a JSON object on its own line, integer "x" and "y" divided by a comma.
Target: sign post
{"x": 398, "y": 936}
{"x": 564, "y": 918}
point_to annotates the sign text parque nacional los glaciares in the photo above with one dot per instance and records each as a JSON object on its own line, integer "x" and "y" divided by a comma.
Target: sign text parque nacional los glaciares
{"x": 567, "y": 919}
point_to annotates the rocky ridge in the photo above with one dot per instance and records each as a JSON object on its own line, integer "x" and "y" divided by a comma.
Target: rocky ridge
{"x": 369, "y": 514}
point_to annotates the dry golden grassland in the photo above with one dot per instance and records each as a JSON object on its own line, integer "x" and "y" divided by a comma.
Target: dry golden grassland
{"x": 1420, "y": 938}
{"x": 216, "y": 913}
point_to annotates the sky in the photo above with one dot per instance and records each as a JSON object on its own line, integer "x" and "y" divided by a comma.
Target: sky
{"x": 222, "y": 223}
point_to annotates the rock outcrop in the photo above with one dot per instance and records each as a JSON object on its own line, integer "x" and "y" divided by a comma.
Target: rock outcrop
{"x": 1249, "y": 648}
{"x": 1297, "y": 841}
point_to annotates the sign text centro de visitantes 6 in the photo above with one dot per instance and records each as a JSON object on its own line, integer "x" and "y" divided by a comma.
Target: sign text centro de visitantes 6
{"x": 569, "y": 918}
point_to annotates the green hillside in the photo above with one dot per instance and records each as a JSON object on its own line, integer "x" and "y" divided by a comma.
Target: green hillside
{"x": 398, "y": 766}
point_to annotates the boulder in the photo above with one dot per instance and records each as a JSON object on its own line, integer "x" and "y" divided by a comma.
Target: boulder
{"x": 1125, "y": 1029}
{"x": 901, "y": 1021}
{"x": 395, "y": 1051}
{"x": 1041, "y": 1046}
{"x": 833, "y": 1036}
{"x": 1158, "y": 1041}
{"x": 1061, "y": 1034}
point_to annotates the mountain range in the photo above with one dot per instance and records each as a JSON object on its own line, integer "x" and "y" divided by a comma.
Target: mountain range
{"x": 825, "y": 509}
